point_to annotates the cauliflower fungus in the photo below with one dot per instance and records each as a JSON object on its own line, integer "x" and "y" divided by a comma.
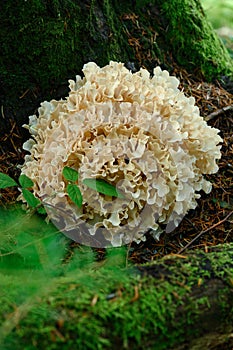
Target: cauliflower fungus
{"x": 136, "y": 132}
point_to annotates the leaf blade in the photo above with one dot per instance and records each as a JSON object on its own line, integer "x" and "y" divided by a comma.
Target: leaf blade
{"x": 7, "y": 181}
{"x": 31, "y": 200}
{"x": 70, "y": 174}
{"x": 103, "y": 187}
{"x": 25, "y": 181}
{"x": 41, "y": 210}
{"x": 75, "y": 194}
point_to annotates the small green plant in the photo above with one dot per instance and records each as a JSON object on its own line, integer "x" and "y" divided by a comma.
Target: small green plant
{"x": 24, "y": 186}
{"x": 72, "y": 188}
{"x": 99, "y": 185}
{"x": 73, "y": 191}
{"x": 30, "y": 246}
{"x": 35, "y": 258}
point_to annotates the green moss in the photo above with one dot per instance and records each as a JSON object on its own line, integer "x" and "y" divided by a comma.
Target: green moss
{"x": 44, "y": 43}
{"x": 117, "y": 310}
{"x": 51, "y": 40}
{"x": 193, "y": 41}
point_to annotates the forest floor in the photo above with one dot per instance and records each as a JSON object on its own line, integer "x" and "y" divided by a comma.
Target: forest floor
{"x": 211, "y": 223}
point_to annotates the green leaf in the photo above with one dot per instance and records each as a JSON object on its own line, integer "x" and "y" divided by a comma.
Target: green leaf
{"x": 75, "y": 194}
{"x": 25, "y": 182}
{"x": 6, "y": 181}
{"x": 41, "y": 210}
{"x": 70, "y": 174}
{"x": 103, "y": 187}
{"x": 31, "y": 200}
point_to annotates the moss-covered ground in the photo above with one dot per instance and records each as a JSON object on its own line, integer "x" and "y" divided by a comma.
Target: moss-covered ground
{"x": 154, "y": 307}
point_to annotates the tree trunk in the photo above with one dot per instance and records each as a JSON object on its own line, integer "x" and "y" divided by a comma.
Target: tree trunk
{"x": 44, "y": 43}
{"x": 179, "y": 302}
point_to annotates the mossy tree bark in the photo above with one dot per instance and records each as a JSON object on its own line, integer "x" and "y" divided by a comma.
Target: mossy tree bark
{"x": 43, "y": 43}
{"x": 180, "y": 302}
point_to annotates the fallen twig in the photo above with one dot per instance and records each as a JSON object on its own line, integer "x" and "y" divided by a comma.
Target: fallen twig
{"x": 218, "y": 112}
{"x": 202, "y": 232}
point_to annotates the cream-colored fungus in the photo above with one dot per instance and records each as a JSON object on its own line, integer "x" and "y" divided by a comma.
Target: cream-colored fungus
{"x": 139, "y": 133}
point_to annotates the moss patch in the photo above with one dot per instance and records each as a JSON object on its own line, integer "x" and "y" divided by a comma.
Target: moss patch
{"x": 44, "y": 43}
{"x": 193, "y": 42}
{"x": 100, "y": 309}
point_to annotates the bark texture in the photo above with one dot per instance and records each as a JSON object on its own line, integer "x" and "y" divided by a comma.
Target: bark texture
{"x": 44, "y": 43}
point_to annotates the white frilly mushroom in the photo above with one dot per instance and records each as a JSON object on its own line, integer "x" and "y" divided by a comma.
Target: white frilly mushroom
{"x": 136, "y": 132}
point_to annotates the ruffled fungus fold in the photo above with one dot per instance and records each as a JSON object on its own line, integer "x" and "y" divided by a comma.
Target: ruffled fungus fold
{"x": 136, "y": 132}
